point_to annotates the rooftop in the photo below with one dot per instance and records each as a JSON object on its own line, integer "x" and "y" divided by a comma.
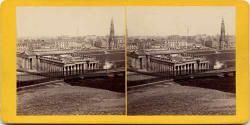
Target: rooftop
{"x": 177, "y": 58}
{"x": 68, "y": 59}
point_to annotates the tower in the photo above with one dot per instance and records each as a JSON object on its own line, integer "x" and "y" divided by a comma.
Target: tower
{"x": 222, "y": 36}
{"x": 111, "y": 41}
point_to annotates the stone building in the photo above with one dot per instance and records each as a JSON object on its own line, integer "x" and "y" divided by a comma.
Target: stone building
{"x": 137, "y": 60}
{"x": 22, "y": 46}
{"x": 175, "y": 64}
{"x": 175, "y": 44}
{"x": 120, "y": 40}
{"x": 139, "y": 44}
{"x": 26, "y": 60}
{"x": 55, "y": 62}
{"x": 62, "y": 44}
{"x": 131, "y": 45}
{"x": 67, "y": 64}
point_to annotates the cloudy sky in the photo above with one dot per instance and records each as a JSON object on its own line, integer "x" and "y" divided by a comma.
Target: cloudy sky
{"x": 72, "y": 21}
{"x": 176, "y": 20}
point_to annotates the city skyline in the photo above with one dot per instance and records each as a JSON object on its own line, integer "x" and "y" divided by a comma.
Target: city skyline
{"x": 70, "y": 21}
{"x": 165, "y": 21}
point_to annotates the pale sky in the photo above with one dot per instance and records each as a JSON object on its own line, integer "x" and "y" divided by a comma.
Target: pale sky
{"x": 72, "y": 21}
{"x": 165, "y": 21}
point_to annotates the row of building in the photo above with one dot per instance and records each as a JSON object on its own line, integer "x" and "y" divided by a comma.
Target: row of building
{"x": 168, "y": 43}
{"x": 69, "y": 43}
{"x": 110, "y": 42}
{"x": 175, "y": 42}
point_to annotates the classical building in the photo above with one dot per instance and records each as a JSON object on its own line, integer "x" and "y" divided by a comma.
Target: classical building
{"x": 55, "y": 62}
{"x": 174, "y": 64}
{"x": 26, "y": 60}
{"x": 137, "y": 60}
{"x": 67, "y": 64}
{"x": 177, "y": 64}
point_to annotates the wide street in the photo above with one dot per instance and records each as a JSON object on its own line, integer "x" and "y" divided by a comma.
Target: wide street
{"x": 64, "y": 99}
{"x": 173, "y": 99}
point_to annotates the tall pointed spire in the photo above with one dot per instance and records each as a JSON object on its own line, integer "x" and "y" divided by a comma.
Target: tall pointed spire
{"x": 112, "y": 26}
{"x": 222, "y": 35}
{"x": 111, "y": 40}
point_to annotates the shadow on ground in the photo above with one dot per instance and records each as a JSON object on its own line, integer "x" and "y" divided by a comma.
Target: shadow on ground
{"x": 116, "y": 83}
{"x": 225, "y": 84}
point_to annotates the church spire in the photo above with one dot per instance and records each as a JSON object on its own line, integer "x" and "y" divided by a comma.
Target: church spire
{"x": 222, "y": 35}
{"x": 111, "y": 35}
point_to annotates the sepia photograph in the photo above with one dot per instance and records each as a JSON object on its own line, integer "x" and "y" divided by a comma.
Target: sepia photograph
{"x": 181, "y": 60}
{"x": 70, "y": 60}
